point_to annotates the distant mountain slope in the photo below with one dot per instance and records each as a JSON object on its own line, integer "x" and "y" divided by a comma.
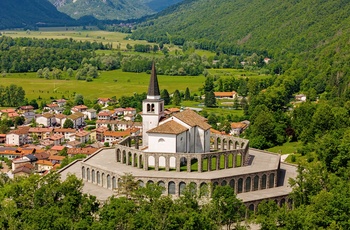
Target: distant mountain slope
{"x": 21, "y": 13}
{"x": 159, "y": 5}
{"x": 104, "y": 9}
{"x": 273, "y": 25}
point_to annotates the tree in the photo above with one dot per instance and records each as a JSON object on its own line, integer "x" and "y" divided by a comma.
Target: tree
{"x": 166, "y": 97}
{"x": 187, "y": 94}
{"x": 79, "y": 99}
{"x": 68, "y": 124}
{"x": 127, "y": 185}
{"x": 210, "y": 100}
{"x": 176, "y": 98}
{"x": 208, "y": 84}
{"x": 227, "y": 208}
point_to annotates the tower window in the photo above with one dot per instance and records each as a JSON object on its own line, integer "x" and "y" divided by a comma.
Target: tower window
{"x": 152, "y": 108}
{"x": 148, "y": 107}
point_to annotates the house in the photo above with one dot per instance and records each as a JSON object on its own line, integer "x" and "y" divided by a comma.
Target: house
{"x": 55, "y": 149}
{"x": 57, "y": 139}
{"x": 42, "y": 156}
{"x": 238, "y": 127}
{"x": 79, "y": 108}
{"x": 43, "y": 165}
{"x": 267, "y": 60}
{"x": 90, "y": 114}
{"x": 81, "y": 136}
{"x": 46, "y": 119}
{"x": 300, "y": 97}
{"x": 226, "y": 95}
{"x": 129, "y": 117}
{"x": 40, "y": 133}
{"x": 10, "y": 152}
{"x": 100, "y": 133}
{"x": 30, "y": 158}
{"x": 112, "y": 124}
{"x": 73, "y": 144}
{"x": 26, "y": 108}
{"x": 115, "y": 136}
{"x": 119, "y": 112}
{"x": 52, "y": 107}
{"x": 17, "y": 137}
{"x": 60, "y": 119}
{"x": 78, "y": 119}
{"x": 129, "y": 110}
{"x": 103, "y": 101}
{"x": 61, "y": 102}
{"x": 65, "y": 132}
{"x": 24, "y": 170}
{"x": 105, "y": 115}
{"x": 56, "y": 159}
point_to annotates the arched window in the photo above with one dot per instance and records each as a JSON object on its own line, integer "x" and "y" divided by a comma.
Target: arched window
{"x": 88, "y": 174}
{"x": 108, "y": 181}
{"x": 263, "y": 181}
{"x": 248, "y": 184}
{"x": 148, "y": 107}
{"x": 272, "y": 180}
{"x": 256, "y": 183}
{"x": 240, "y": 185}
{"x": 232, "y": 184}
{"x": 204, "y": 190}
{"x": 98, "y": 178}
{"x": 83, "y": 172}
{"x": 171, "y": 188}
{"x": 114, "y": 183}
{"x": 152, "y": 108}
{"x": 162, "y": 184}
{"x": 223, "y": 183}
{"x": 161, "y": 140}
{"x": 93, "y": 176}
{"x": 182, "y": 187}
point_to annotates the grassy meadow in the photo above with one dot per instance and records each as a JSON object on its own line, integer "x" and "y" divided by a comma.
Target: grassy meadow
{"x": 108, "y": 84}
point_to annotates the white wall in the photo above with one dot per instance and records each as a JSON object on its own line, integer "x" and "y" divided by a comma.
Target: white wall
{"x": 162, "y": 143}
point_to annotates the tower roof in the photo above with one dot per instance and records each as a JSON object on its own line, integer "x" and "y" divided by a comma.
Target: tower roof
{"x": 153, "y": 88}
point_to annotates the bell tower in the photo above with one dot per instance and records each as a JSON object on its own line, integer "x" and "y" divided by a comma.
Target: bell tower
{"x": 152, "y": 107}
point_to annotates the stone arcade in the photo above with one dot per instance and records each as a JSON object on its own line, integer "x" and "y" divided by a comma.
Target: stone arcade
{"x": 178, "y": 151}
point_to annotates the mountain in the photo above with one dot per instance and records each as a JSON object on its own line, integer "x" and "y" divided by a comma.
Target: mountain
{"x": 159, "y": 5}
{"x": 104, "y": 9}
{"x": 22, "y": 13}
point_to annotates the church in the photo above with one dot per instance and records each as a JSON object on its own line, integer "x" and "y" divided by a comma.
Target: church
{"x": 178, "y": 151}
{"x": 184, "y": 132}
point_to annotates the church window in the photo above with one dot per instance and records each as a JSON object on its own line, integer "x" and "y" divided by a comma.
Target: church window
{"x": 148, "y": 108}
{"x": 152, "y": 108}
{"x": 161, "y": 140}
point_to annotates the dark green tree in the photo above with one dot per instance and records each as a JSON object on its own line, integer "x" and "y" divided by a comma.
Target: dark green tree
{"x": 210, "y": 100}
{"x": 165, "y": 96}
{"x": 68, "y": 124}
{"x": 176, "y": 98}
{"x": 187, "y": 94}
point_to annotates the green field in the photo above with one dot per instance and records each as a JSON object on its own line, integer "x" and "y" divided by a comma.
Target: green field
{"x": 238, "y": 73}
{"x": 116, "y": 38}
{"x": 288, "y": 147}
{"x": 108, "y": 84}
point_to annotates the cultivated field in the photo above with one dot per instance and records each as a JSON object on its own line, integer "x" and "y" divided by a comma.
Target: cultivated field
{"x": 76, "y": 33}
{"x": 108, "y": 84}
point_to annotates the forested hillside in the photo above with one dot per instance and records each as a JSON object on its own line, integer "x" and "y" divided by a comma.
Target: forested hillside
{"x": 303, "y": 38}
{"x": 29, "y": 13}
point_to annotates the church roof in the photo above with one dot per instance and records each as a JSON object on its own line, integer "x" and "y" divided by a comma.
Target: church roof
{"x": 170, "y": 127}
{"x": 193, "y": 119}
{"x": 153, "y": 88}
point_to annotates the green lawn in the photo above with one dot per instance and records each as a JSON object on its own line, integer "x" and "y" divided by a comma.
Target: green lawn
{"x": 222, "y": 109}
{"x": 108, "y": 84}
{"x": 237, "y": 73}
{"x": 289, "y": 147}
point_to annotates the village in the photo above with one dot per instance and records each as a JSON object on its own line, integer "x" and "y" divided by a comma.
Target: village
{"x": 46, "y": 139}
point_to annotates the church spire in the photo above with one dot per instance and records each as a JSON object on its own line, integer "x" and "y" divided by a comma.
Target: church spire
{"x": 153, "y": 88}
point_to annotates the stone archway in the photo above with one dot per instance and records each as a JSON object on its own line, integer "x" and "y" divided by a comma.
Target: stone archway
{"x": 256, "y": 183}
{"x": 204, "y": 189}
{"x": 171, "y": 188}
{"x": 118, "y": 155}
{"x": 263, "y": 181}
{"x": 194, "y": 165}
{"x": 240, "y": 185}
{"x": 162, "y": 162}
{"x": 248, "y": 184}
{"x": 182, "y": 187}
{"x": 271, "y": 180}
